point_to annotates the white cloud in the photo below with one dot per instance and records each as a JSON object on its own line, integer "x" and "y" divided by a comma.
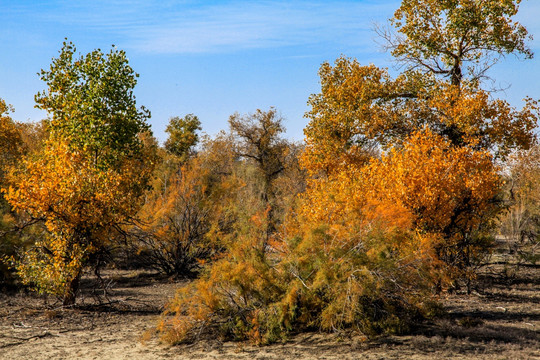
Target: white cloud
{"x": 217, "y": 26}
{"x": 173, "y": 26}
{"x": 240, "y": 25}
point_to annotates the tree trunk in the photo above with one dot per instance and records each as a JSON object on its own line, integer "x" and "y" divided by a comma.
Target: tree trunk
{"x": 72, "y": 288}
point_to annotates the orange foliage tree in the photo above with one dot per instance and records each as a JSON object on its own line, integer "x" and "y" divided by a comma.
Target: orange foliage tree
{"x": 362, "y": 110}
{"x": 450, "y": 192}
{"x": 373, "y": 236}
{"x": 89, "y": 177}
{"x": 521, "y": 223}
{"x": 342, "y": 260}
{"x": 11, "y": 143}
{"x": 182, "y": 225}
{"x": 12, "y": 148}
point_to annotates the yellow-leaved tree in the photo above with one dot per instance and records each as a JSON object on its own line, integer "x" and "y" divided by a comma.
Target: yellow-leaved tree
{"x": 362, "y": 110}
{"x": 521, "y": 223}
{"x": 451, "y": 193}
{"x": 88, "y": 179}
{"x": 402, "y": 189}
{"x": 12, "y": 148}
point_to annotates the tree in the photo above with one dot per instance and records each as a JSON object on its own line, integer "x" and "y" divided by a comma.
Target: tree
{"x": 17, "y": 231}
{"x": 402, "y": 191}
{"x": 12, "y": 146}
{"x": 361, "y": 109}
{"x": 521, "y": 223}
{"x": 258, "y": 140}
{"x": 89, "y": 178}
{"x": 183, "y": 224}
{"x": 182, "y": 135}
{"x": 451, "y": 193}
{"x": 441, "y": 37}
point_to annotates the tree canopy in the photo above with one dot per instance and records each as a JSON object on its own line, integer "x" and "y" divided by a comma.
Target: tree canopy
{"x": 91, "y": 104}
{"x": 89, "y": 177}
{"x": 443, "y": 36}
{"x": 182, "y": 135}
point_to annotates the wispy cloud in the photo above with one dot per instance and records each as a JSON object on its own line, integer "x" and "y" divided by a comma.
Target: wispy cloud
{"x": 239, "y": 25}
{"x": 218, "y": 26}
{"x": 189, "y": 26}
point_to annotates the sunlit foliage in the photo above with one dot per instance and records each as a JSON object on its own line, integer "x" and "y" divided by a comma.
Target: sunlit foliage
{"x": 90, "y": 175}
{"x": 182, "y": 225}
{"x": 402, "y": 192}
{"x": 449, "y": 191}
{"x": 443, "y": 36}
{"x": 182, "y": 135}
{"x": 12, "y": 148}
{"x": 521, "y": 223}
{"x": 362, "y": 107}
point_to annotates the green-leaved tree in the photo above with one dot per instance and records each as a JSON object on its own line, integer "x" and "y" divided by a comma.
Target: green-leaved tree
{"x": 88, "y": 179}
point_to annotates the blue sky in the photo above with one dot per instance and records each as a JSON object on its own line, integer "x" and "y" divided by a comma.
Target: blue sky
{"x": 214, "y": 58}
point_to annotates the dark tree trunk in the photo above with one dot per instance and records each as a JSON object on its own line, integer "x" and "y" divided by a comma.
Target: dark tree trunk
{"x": 71, "y": 291}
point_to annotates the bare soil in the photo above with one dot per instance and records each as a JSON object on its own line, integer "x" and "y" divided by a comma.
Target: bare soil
{"x": 500, "y": 320}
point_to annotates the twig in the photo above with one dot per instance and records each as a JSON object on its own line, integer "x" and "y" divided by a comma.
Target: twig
{"x": 22, "y": 340}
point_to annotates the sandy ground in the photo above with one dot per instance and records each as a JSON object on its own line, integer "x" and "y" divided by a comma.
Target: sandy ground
{"x": 500, "y": 321}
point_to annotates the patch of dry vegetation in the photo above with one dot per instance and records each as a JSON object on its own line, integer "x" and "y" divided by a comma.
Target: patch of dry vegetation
{"x": 500, "y": 320}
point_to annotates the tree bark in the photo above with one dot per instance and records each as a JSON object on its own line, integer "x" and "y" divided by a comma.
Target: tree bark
{"x": 72, "y": 289}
